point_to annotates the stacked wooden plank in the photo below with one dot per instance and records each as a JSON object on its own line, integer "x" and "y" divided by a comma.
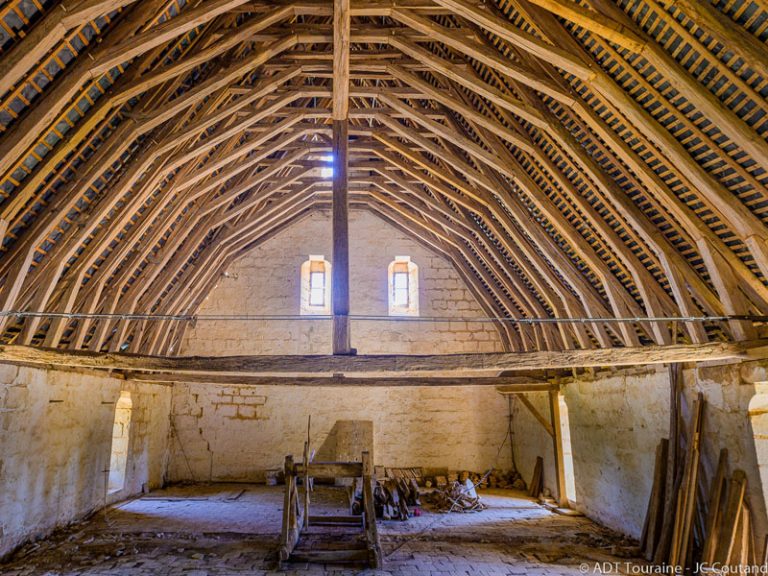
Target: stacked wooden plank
{"x": 653, "y": 520}
{"x": 537, "y": 481}
{"x": 694, "y": 520}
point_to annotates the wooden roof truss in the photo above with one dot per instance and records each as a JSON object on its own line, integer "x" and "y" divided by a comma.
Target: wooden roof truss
{"x": 590, "y": 159}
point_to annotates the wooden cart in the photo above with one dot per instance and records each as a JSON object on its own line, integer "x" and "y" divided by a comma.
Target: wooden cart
{"x": 296, "y": 515}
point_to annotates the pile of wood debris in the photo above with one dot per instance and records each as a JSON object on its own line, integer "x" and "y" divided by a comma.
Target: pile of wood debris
{"x": 456, "y": 497}
{"x": 398, "y": 491}
{"x": 395, "y": 498}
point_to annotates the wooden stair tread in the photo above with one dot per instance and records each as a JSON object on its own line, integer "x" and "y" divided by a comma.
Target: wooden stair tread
{"x": 335, "y": 520}
{"x": 340, "y": 555}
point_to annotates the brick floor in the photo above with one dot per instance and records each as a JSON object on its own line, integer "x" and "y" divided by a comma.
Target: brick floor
{"x": 233, "y": 530}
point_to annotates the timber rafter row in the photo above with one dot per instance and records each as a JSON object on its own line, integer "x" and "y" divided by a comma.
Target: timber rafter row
{"x": 571, "y": 159}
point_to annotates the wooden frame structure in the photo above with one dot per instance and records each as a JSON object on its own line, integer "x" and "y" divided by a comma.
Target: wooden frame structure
{"x": 553, "y": 426}
{"x": 296, "y": 515}
{"x": 594, "y": 159}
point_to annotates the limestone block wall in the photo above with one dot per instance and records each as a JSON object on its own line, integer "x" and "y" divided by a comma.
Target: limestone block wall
{"x": 267, "y": 282}
{"x": 618, "y": 418}
{"x": 616, "y": 422}
{"x": 238, "y": 432}
{"x": 56, "y": 432}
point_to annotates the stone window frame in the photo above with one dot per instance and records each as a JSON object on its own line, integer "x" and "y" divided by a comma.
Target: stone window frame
{"x": 310, "y": 265}
{"x": 403, "y": 264}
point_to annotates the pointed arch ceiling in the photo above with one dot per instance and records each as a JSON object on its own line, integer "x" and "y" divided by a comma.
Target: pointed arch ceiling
{"x": 597, "y": 159}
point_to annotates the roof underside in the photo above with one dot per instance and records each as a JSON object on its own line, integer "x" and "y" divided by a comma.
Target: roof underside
{"x": 600, "y": 159}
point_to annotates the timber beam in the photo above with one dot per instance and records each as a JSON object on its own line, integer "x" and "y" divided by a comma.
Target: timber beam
{"x": 504, "y": 384}
{"x": 446, "y": 365}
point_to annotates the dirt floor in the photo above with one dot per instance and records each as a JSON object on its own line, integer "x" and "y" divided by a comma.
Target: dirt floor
{"x": 233, "y": 529}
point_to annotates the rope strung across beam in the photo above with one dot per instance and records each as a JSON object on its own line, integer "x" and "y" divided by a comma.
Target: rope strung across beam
{"x": 276, "y": 317}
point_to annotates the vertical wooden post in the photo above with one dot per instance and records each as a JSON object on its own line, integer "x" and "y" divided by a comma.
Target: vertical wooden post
{"x": 557, "y": 442}
{"x": 340, "y": 283}
{"x": 371, "y": 533}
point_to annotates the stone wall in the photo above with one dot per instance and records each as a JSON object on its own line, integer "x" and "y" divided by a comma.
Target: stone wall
{"x": 55, "y": 440}
{"x": 266, "y": 281}
{"x": 238, "y": 432}
{"x": 618, "y": 418}
{"x": 616, "y": 422}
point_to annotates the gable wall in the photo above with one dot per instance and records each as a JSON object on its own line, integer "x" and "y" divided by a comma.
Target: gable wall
{"x": 266, "y": 281}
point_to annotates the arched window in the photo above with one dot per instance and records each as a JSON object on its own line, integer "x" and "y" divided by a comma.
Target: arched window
{"x": 316, "y": 286}
{"x": 403, "y": 287}
{"x": 118, "y": 461}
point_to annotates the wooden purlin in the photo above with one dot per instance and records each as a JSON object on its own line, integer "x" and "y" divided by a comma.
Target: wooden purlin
{"x": 54, "y": 272}
{"x": 465, "y": 228}
{"x": 208, "y": 269}
{"x": 707, "y": 18}
{"x": 156, "y": 238}
{"x": 140, "y": 125}
{"x": 203, "y": 279}
{"x": 233, "y": 236}
{"x": 120, "y": 136}
{"x": 17, "y": 139}
{"x": 188, "y": 199}
{"x": 524, "y": 110}
{"x": 432, "y": 185}
{"x": 167, "y": 249}
{"x": 35, "y": 187}
{"x": 526, "y": 298}
{"x": 572, "y": 105}
{"x": 222, "y": 214}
